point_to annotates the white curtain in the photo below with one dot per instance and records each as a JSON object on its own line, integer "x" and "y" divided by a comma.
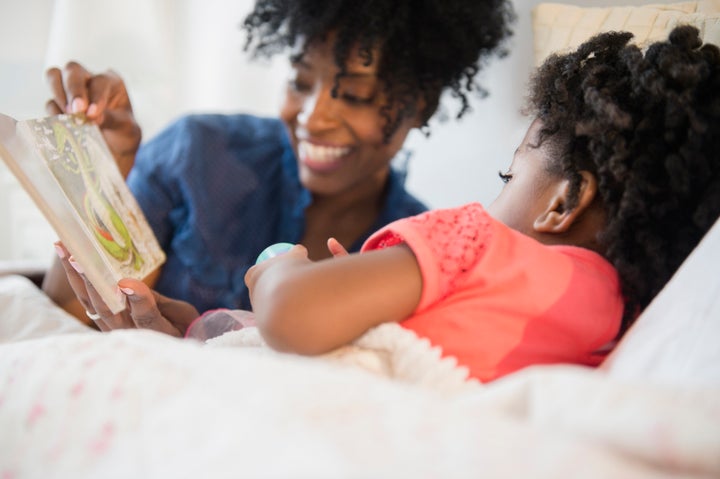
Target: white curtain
{"x": 176, "y": 56}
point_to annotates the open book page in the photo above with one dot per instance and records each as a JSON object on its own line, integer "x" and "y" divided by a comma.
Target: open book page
{"x": 68, "y": 170}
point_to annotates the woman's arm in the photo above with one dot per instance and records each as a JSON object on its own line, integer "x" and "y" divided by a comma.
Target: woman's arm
{"x": 313, "y": 307}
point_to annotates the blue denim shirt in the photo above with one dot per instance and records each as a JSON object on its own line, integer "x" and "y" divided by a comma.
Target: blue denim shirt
{"x": 217, "y": 190}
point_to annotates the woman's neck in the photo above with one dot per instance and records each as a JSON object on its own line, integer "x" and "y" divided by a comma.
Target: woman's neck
{"x": 346, "y": 216}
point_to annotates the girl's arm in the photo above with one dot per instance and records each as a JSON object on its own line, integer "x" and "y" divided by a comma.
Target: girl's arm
{"x": 313, "y": 307}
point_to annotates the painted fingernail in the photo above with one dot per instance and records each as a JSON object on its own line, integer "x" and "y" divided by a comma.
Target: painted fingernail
{"x": 60, "y": 252}
{"x": 92, "y": 109}
{"x": 128, "y": 291}
{"x": 76, "y": 266}
{"x": 78, "y": 105}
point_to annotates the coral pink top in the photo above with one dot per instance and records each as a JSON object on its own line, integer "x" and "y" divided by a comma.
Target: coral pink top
{"x": 498, "y": 300}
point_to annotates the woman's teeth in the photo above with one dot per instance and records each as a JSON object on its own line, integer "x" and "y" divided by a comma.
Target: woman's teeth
{"x": 323, "y": 154}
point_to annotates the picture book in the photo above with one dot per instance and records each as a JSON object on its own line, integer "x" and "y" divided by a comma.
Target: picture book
{"x": 68, "y": 170}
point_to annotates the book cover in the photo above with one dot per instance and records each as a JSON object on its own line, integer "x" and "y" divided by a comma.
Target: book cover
{"x": 68, "y": 170}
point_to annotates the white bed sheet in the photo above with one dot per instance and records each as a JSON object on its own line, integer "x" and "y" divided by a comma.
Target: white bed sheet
{"x": 141, "y": 404}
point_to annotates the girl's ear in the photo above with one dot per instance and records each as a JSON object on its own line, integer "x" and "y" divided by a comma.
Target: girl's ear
{"x": 558, "y": 216}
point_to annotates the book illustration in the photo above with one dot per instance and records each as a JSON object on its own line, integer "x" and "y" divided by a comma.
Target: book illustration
{"x": 65, "y": 165}
{"x": 68, "y": 155}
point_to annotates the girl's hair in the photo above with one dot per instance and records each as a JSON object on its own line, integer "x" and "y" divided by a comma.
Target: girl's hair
{"x": 647, "y": 125}
{"x": 425, "y": 46}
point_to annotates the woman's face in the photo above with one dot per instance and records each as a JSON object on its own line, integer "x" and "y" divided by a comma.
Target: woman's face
{"x": 339, "y": 141}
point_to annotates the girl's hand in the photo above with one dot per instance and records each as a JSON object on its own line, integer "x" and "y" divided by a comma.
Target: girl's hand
{"x": 335, "y": 248}
{"x": 146, "y": 309}
{"x": 308, "y": 307}
{"x": 297, "y": 253}
{"x": 103, "y": 99}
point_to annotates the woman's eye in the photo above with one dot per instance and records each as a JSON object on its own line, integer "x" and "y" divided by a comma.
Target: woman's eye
{"x": 356, "y": 100}
{"x": 353, "y": 94}
{"x": 505, "y": 177}
{"x": 298, "y": 86}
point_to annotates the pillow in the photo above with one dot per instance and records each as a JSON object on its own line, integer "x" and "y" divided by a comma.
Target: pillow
{"x": 26, "y": 312}
{"x": 675, "y": 340}
{"x": 558, "y": 27}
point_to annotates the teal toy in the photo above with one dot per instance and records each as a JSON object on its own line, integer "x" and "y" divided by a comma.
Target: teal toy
{"x": 272, "y": 251}
{"x": 217, "y": 322}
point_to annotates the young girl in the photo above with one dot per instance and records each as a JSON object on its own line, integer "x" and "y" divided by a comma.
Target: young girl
{"x": 615, "y": 182}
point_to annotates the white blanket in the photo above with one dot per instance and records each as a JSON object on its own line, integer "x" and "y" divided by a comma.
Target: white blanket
{"x": 141, "y": 404}
{"x": 387, "y": 350}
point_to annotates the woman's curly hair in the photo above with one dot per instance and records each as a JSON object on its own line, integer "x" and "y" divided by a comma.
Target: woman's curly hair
{"x": 647, "y": 125}
{"x": 426, "y": 45}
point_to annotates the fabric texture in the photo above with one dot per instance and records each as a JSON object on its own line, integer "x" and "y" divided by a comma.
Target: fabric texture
{"x": 562, "y": 27}
{"x": 387, "y": 350}
{"x": 498, "y": 301}
{"x": 217, "y": 190}
{"x": 26, "y": 312}
{"x": 134, "y": 403}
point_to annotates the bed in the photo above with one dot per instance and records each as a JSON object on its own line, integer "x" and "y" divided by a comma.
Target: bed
{"x": 78, "y": 403}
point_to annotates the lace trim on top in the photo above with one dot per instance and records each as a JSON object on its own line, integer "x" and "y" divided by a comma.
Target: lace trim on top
{"x": 457, "y": 237}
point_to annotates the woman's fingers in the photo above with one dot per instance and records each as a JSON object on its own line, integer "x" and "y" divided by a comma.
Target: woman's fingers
{"x": 104, "y": 100}
{"x": 150, "y": 310}
{"x": 121, "y": 320}
{"x": 76, "y": 90}
{"x": 52, "y": 108}
{"x": 95, "y": 307}
{"x": 77, "y": 283}
{"x": 75, "y": 81}
{"x": 59, "y": 100}
{"x": 69, "y": 89}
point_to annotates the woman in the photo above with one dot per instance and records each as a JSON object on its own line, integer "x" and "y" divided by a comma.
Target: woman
{"x": 218, "y": 189}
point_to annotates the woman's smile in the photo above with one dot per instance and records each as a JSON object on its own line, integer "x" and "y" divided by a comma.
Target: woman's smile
{"x": 321, "y": 158}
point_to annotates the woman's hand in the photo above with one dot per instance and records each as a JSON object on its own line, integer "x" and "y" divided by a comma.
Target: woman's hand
{"x": 104, "y": 101}
{"x": 146, "y": 309}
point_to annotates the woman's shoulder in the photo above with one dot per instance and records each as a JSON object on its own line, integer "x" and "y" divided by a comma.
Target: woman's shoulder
{"x": 237, "y": 128}
{"x": 399, "y": 202}
{"x": 216, "y": 138}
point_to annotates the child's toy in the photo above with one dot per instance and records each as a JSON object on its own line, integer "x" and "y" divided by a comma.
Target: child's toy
{"x": 220, "y": 321}
{"x": 272, "y": 251}
{"x": 217, "y": 322}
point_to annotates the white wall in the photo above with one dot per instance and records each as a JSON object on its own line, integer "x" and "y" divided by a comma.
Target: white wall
{"x": 186, "y": 55}
{"x": 23, "y": 38}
